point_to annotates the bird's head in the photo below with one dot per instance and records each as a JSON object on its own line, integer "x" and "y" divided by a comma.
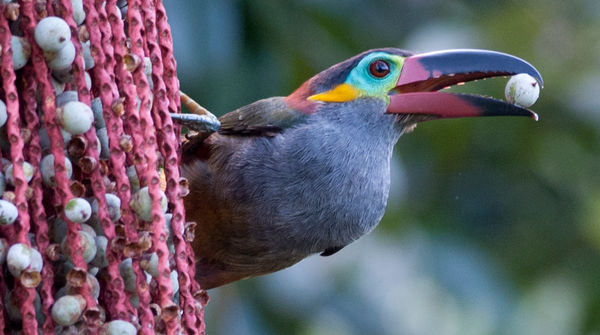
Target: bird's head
{"x": 409, "y": 83}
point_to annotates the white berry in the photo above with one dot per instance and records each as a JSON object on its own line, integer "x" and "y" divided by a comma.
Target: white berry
{"x": 52, "y": 33}
{"x": 141, "y": 203}
{"x": 175, "y": 281}
{"x": 151, "y": 265}
{"x": 75, "y": 117}
{"x": 21, "y": 50}
{"x": 134, "y": 181}
{"x": 100, "y": 259}
{"x": 86, "y": 228}
{"x": 47, "y": 170}
{"x": 128, "y": 275}
{"x": 88, "y": 60}
{"x": 88, "y": 80}
{"x": 113, "y": 206}
{"x": 28, "y": 171}
{"x": 67, "y": 309}
{"x": 8, "y": 213}
{"x": 78, "y": 12}
{"x": 522, "y": 89}
{"x": 93, "y": 285}
{"x": 78, "y": 210}
{"x": 57, "y": 85}
{"x": 88, "y": 245}
{"x": 118, "y": 327}
{"x": 98, "y": 116}
{"x": 61, "y": 59}
{"x": 66, "y": 96}
{"x": 21, "y": 257}
{"x": 102, "y": 134}
{"x": 3, "y": 113}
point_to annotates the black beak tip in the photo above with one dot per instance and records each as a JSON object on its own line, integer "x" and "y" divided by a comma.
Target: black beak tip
{"x": 536, "y": 75}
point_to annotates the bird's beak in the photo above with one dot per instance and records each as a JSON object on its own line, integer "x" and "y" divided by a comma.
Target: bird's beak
{"x": 423, "y": 75}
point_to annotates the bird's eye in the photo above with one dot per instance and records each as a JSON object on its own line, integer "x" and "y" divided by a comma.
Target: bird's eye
{"x": 379, "y": 68}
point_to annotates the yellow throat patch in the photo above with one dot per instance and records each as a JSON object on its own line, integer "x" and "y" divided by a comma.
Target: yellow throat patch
{"x": 341, "y": 93}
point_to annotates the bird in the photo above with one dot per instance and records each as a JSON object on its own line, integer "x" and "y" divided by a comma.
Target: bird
{"x": 309, "y": 173}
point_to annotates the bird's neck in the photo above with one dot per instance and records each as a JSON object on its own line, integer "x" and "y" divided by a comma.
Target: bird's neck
{"x": 342, "y": 156}
{"x": 362, "y": 118}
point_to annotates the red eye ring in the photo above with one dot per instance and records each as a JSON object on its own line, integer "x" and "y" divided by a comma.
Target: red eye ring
{"x": 379, "y": 68}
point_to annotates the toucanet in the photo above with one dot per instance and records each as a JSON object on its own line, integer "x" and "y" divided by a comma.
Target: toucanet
{"x": 287, "y": 177}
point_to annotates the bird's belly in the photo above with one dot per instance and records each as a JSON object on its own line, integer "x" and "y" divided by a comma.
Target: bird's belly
{"x": 319, "y": 206}
{"x": 352, "y": 207}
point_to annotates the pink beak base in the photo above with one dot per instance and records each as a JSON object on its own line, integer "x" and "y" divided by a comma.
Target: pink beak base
{"x": 452, "y": 105}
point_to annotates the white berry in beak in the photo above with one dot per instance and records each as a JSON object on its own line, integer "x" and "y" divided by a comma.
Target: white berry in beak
{"x": 522, "y": 89}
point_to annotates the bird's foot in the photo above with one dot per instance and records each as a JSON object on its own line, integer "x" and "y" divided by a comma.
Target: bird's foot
{"x": 200, "y": 123}
{"x": 200, "y": 119}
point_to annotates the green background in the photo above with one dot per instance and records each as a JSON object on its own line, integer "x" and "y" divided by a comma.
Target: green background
{"x": 493, "y": 224}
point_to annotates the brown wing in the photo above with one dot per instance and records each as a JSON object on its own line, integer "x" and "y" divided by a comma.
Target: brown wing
{"x": 203, "y": 157}
{"x": 266, "y": 117}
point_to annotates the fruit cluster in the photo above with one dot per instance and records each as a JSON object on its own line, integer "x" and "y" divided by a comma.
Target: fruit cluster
{"x": 93, "y": 235}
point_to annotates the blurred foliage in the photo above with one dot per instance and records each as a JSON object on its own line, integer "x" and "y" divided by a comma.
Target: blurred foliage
{"x": 493, "y": 225}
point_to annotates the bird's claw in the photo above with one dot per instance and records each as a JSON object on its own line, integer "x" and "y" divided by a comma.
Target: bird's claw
{"x": 200, "y": 119}
{"x": 207, "y": 123}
